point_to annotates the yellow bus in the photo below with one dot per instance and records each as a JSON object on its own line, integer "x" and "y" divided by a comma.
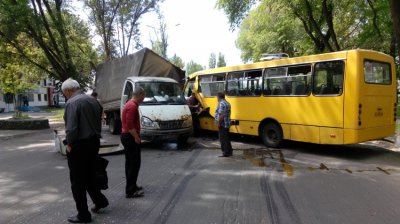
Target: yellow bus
{"x": 343, "y": 97}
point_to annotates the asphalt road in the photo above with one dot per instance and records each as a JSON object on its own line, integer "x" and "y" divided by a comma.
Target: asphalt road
{"x": 301, "y": 183}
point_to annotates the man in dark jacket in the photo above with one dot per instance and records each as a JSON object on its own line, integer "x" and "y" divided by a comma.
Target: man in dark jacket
{"x": 82, "y": 118}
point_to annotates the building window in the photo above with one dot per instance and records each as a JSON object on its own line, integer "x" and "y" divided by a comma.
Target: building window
{"x": 44, "y": 82}
{"x": 30, "y": 97}
{"x": 39, "y": 96}
{"x": 45, "y": 97}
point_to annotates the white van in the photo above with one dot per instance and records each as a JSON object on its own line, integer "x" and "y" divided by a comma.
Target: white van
{"x": 164, "y": 113}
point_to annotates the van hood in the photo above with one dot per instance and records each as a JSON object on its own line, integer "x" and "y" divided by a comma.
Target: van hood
{"x": 165, "y": 112}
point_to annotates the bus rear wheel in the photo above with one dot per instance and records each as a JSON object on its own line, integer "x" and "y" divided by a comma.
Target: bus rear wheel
{"x": 271, "y": 135}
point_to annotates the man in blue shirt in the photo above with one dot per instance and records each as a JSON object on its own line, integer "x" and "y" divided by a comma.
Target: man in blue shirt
{"x": 223, "y": 121}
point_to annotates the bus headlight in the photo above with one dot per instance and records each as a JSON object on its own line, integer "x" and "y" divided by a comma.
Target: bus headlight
{"x": 148, "y": 123}
{"x": 187, "y": 123}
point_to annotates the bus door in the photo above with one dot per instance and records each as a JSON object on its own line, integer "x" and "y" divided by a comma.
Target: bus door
{"x": 328, "y": 101}
{"x": 378, "y": 95}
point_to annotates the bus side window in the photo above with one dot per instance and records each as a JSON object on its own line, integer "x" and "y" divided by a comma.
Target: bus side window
{"x": 254, "y": 80}
{"x": 275, "y": 81}
{"x": 204, "y": 84}
{"x": 189, "y": 88}
{"x": 328, "y": 78}
{"x": 234, "y": 83}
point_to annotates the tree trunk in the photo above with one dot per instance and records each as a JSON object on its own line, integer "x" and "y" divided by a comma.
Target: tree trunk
{"x": 395, "y": 11}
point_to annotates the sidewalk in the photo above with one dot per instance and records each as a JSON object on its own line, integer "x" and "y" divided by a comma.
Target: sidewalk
{"x": 8, "y": 134}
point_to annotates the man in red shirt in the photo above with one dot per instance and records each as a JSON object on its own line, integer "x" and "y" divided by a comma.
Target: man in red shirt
{"x": 130, "y": 139}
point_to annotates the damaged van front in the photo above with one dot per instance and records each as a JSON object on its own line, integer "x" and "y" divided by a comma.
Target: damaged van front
{"x": 164, "y": 113}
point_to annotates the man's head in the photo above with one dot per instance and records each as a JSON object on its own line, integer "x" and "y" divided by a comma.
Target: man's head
{"x": 94, "y": 95}
{"x": 69, "y": 87}
{"x": 220, "y": 96}
{"x": 138, "y": 94}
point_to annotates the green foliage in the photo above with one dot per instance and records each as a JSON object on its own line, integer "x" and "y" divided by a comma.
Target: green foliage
{"x": 57, "y": 111}
{"x": 58, "y": 42}
{"x": 117, "y": 23}
{"x": 212, "y": 61}
{"x": 301, "y": 27}
{"x": 21, "y": 116}
{"x": 193, "y": 67}
{"x": 16, "y": 75}
{"x": 177, "y": 61}
{"x": 221, "y": 60}
{"x": 236, "y": 10}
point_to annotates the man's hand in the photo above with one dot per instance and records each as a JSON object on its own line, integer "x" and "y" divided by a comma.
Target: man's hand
{"x": 69, "y": 148}
{"x": 137, "y": 140}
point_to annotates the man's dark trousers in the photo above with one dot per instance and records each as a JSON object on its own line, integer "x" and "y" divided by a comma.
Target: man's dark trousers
{"x": 82, "y": 165}
{"x": 226, "y": 146}
{"x": 132, "y": 162}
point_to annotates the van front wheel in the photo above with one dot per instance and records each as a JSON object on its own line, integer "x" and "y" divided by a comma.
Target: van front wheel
{"x": 182, "y": 140}
{"x": 271, "y": 135}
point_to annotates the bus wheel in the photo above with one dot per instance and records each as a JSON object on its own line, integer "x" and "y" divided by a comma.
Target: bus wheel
{"x": 271, "y": 135}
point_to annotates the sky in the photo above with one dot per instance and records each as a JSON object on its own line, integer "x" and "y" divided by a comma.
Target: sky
{"x": 195, "y": 29}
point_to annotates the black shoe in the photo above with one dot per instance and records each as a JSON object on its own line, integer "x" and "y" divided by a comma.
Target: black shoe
{"x": 138, "y": 188}
{"x": 136, "y": 194}
{"x": 76, "y": 219}
{"x": 225, "y": 155}
{"x": 96, "y": 208}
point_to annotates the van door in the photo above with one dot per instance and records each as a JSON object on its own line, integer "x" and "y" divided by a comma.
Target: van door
{"x": 126, "y": 93}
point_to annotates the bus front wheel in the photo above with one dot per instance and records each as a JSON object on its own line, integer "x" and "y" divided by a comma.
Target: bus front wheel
{"x": 271, "y": 135}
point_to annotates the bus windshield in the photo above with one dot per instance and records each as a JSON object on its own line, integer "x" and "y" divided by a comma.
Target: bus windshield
{"x": 162, "y": 93}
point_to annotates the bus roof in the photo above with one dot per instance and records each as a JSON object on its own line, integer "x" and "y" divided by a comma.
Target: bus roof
{"x": 339, "y": 55}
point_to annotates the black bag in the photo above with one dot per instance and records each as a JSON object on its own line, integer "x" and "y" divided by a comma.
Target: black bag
{"x": 101, "y": 173}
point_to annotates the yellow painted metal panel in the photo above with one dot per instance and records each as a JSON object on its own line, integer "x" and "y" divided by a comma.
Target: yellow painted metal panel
{"x": 331, "y": 135}
{"x": 304, "y": 133}
{"x": 245, "y": 127}
{"x": 362, "y": 135}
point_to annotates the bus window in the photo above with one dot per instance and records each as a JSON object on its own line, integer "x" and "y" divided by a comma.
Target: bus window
{"x": 275, "y": 81}
{"x": 233, "y": 83}
{"x": 253, "y": 81}
{"x": 293, "y": 80}
{"x": 212, "y": 84}
{"x": 189, "y": 88}
{"x": 299, "y": 80}
{"x": 377, "y": 72}
{"x": 328, "y": 78}
{"x": 244, "y": 83}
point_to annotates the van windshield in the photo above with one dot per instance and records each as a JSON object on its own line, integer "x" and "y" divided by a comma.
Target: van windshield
{"x": 162, "y": 93}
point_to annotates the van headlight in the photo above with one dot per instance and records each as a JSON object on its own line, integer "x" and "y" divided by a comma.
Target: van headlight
{"x": 187, "y": 122}
{"x": 148, "y": 123}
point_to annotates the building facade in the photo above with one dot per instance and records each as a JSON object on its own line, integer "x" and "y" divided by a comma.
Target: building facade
{"x": 45, "y": 95}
